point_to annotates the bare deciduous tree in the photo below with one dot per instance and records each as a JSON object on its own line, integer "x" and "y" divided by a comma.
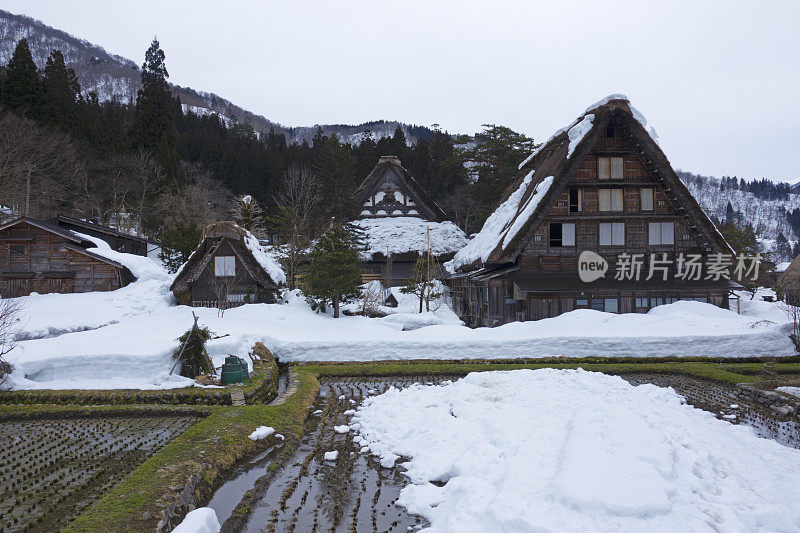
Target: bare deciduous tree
{"x": 296, "y": 200}
{"x": 10, "y": 316}
{"x": 40, "y": 171}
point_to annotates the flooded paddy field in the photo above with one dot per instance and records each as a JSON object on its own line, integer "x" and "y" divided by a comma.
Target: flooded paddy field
{"x": 354, "y": 493}
{"x": 53, "y": 469}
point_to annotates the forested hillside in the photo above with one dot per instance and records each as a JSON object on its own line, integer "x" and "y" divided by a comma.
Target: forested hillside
{"x": 772, "y": 208}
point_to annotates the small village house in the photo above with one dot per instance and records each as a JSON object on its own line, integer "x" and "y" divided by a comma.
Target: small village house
{"x": 228, "y": 268}
{"x": 601, "y": 185}
{"x": 400, "y": 221}
{"x": 40, "y": 256}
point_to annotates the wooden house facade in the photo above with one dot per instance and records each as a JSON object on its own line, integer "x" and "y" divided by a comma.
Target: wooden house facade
{"x": 601, "y": 185}
{"x": 117, "y": 240}
{"x": 228, "y": 268}
{"x": 399, "y": 219}
{"x": 39, "y": 256}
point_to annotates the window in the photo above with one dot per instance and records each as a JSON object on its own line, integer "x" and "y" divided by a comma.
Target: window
{"x": 582, "y": 303}
{"x": 537, "y": 238}
{"x": 646, "y": 196}
{"x": 224, "y": 266}
{"x": 562, "y": 234}
{"x": 610, "y": 168}
{"x": 655, "y": 302}
{"x": 609, "y": 199}
{"x": 612, "y": 234}
{"x": 236, "y": 298}
{"x": 598, "y": 304}
{"x": 575, "y": 200}
{"x": 612, "y": 305}
{"x": 641, "y": 303}
{"x": 661, "y": 233}
{"x": 18, "y": 249}
{"x": 670, "y": 300}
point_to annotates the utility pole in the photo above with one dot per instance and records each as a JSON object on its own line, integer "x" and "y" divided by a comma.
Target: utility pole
{"x": 28, "y": 192}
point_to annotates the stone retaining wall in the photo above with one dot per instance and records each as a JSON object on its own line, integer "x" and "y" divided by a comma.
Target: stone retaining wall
{"x": 780, "y": 403}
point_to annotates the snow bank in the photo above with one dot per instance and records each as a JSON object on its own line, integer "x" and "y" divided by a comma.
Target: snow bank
{"x": 498, "y": 227}
{"x": 397, "y": 235}
{"x": 794, "y": 391}
{"x": 142, "y": 267}
{"x": 555, "y": 450}
{"x": 135, "y": 349}
{"x": 202, "y": 520}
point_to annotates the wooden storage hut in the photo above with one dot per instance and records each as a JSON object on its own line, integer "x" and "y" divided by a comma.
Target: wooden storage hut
{"x": 603, "y": 185}
{"x": 40, "y": 256}
{"x": 228, "y": 268}
{"x": 117, "y": 240}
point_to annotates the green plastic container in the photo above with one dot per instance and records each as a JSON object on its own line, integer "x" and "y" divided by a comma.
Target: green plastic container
{"x": 234, "y": 370}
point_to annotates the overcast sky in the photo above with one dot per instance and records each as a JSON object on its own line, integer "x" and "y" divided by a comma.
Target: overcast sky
{"x": 718, "y": 80}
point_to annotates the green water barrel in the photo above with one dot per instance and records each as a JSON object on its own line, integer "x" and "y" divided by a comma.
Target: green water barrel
{"x": 234, "y": 370}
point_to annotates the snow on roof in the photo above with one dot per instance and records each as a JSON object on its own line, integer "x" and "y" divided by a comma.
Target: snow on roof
{"x": 142, "y": 267}
{"x": 264, "y": 258}
{"x": 502, "y": 225}
{"x": 578, "y": 131}
{"x": 397, "y": 235}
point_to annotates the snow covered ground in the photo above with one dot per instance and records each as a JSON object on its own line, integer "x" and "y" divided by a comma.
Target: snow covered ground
{"x": 125, "y": 338}
{"x": 570, "y": 450}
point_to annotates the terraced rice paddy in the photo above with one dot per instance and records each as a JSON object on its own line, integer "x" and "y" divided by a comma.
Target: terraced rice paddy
{"x": 52, "y": 469}
{"x": 353, "y": 493}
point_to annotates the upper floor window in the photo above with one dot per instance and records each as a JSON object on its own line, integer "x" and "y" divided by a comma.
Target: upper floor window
{"x": 612, "y": 234}
{"x": 575, "y": 200}
{"x": 610, "y": 168}
{"x": 224, "y": 266}
{"x": 562, "y": 234}
{"x": 609, "y": 199}
{"x": 661, "y": 233}
{"x": 646, "y": 197}
{"x": 18, "y": 250}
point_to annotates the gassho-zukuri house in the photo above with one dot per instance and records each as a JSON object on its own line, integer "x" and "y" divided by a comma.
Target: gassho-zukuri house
{"x": 228, "y": 268}
{"x": 603, "y": 185}
{"x": 400, "y": 222}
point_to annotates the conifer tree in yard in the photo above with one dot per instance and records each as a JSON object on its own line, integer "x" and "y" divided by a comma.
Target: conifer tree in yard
{"x": 22, "y": 89}
{"x": 248, "y": 214}
{"x": 61, "y": 91}
{"x": 154, "y": 123}
{"x": 333, "y": 275}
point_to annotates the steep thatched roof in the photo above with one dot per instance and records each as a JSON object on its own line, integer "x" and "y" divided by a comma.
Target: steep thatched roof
{"x": 260, "y": 267}
{"x": 391, "y": 163}
{"x": 789, "y": 280}
{"x": 543, "y": 176}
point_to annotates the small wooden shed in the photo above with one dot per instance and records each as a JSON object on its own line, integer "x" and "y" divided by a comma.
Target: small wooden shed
{"x": 39, "y": 256}
{"x": 228, "y": 268}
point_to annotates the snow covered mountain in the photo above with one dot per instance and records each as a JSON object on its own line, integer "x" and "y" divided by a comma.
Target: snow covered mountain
{"x": 115, "y": 77}
{"x": 764, "y": 204}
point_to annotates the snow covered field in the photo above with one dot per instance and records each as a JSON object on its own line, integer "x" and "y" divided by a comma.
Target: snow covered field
{"x": 124, "y": 338}
{"x": 556, "y": 450}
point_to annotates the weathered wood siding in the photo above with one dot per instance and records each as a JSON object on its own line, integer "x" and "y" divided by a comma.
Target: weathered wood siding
{"x": 36, "y": 260}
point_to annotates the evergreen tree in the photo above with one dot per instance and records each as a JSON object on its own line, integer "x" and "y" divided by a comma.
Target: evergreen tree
{"x": 337, "y": 180}
{"x": 333, "y": 274}
{"x": 178, "y": 241}
{"x": 495, "y": 159}
{"x": 22, "y": 89}
{"x": 61, "y": 91}
{"x": 154, "y": 126}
